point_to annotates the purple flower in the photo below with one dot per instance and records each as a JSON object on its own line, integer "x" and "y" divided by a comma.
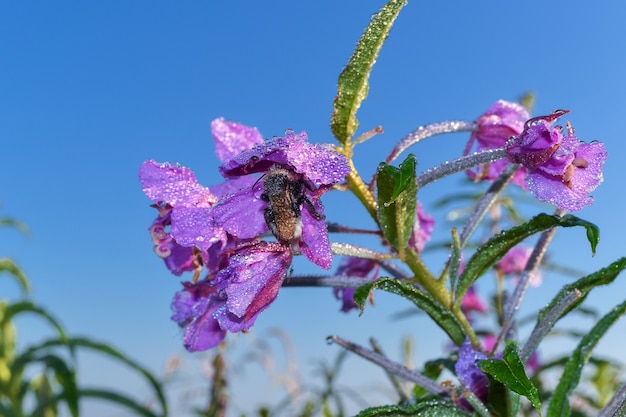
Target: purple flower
{"x": 355, "y": 267}
{"x": 194, "y": 308}
{"x": 190, "y": 202}
{"x": 473, "y": 302}
{"x": 285, "y": 199}
{"x": 422, "y": 229}
{"x": 514, "y": 262}
{"x": 233, "y": 138}
{"x": 501, "y": 121}
{"x": 469, "y": 373}
{"x": 178, "y": 259}
{"x": 250, "y": 283}
{"x": 562, "y": 169}
{"x": 247, "y": 285}
{"x": 218, "y": 229}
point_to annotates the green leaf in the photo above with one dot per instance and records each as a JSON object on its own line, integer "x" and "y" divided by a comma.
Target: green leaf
{"x": 397, "y": 191}
{"x": 8, "y": 410}
{"x": 115, "y": 354}
{"x": 559, "y": 403}
{"x": 496, "y": 247}
{"x": 7, "y": 265}
{"x": 10, "y": 222}
{"x": 593, "y": 232}
{"x": 502, "y": 401}
{"x": 432, "y": 370}
{"x": 116, "y": 398}
{"x": 510, "y": 371}
{"x": 14, "y": 309}
{"x": 602, "y": 277}
{"x": 65, "y": 376}
{"x": 353, "y": 84}
{"x": 431, "y": 408}
{"x": 74, "y": 343}
{"x": 440, "y": 314}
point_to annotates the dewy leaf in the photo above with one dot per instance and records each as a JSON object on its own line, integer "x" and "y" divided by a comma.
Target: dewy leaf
{"x": 602, "y": 277}
{"x": 593, "y": 232}
{"x": 559, "y": 403}
{"x": 510, "y": 371}
{"x": 440, "y": 314}
{"x": 496, "y": 247}
{"x": 431, "y": 408}
{"x": 397, "y": 201}
{"x": 353, "y": 81}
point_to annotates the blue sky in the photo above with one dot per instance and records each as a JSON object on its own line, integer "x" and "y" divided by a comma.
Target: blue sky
{"x": 89, "y": 90}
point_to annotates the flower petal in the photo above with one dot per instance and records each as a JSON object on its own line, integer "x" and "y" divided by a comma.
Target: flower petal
{"x": 193, "y": 309}
{"x": 194, "y": 226}
{"x": 175, "y": 185}
{"x": 241, "y": 214}
{"x": 314, "y": 244}
{"x": 251, "y": 282}
{"x": 318, "y": 163}
{"x": 232, "y": 138}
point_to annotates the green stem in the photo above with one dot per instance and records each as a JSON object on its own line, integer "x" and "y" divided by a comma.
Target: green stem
{"x": 437, "y": 289}
{"x": 360, "y": 190}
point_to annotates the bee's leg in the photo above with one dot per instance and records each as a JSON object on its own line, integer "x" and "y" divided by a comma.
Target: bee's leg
{"x": 304, "y": 200}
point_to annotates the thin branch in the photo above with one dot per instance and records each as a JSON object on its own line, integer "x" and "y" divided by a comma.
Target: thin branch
{"x": 333, "y": 281}
{"x": 423, "y": 132}
{"x": 486, "y": 201}
{"x": 542, "y": 328}
{"x": 393, "y": 367}
{"x": 358, "y": 251}
{"x": 458, "y": 165}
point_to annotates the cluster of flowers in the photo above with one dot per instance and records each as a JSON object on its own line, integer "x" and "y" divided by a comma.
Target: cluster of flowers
{"x": 275, "y": 186}
{"x": 558, "y": 169}
{"x": 220, "y": 228}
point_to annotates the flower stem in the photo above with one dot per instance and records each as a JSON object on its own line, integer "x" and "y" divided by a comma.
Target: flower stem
{"x": 460, "y": 164}
{"x": 437, "y": 289}
{"x": 390, "y": 366}
{"x": 360, "y": 190}
{"x": 513, "y": 304}
{"x": 427, "y": 131}
{"x": 542, "y": 328}
{"x": 486, "y": 201}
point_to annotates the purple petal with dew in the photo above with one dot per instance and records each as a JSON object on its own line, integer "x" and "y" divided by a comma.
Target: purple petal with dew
{"x": 586, "y": 166}
{"x": 318, "y": 163}
{"x": 469, "y": 373}
{"x": 175, "y": 185}
{"x": 241, "y": 214}
{"x": 251, "y": 283}
{"x": 232, "y": 138}
{"x": 314, "y": 244}
{"x": 552, "y": 190}
{"x": 562, "y": 157}
{"x": 194, "y": 310}
{"x": 258, "y": 159}
{"x": 180, "y": 259}
{"x": 588, "y": 178}
{"x": 233, "y": 185}
{"x": 502, "y": 120}
{"x": 194, "y": 227}
{"x": 535, "y": 145}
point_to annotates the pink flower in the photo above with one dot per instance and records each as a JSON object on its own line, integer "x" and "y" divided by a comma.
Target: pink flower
{"x": 562, "y": 169}
{"x": 501, "y": 121}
